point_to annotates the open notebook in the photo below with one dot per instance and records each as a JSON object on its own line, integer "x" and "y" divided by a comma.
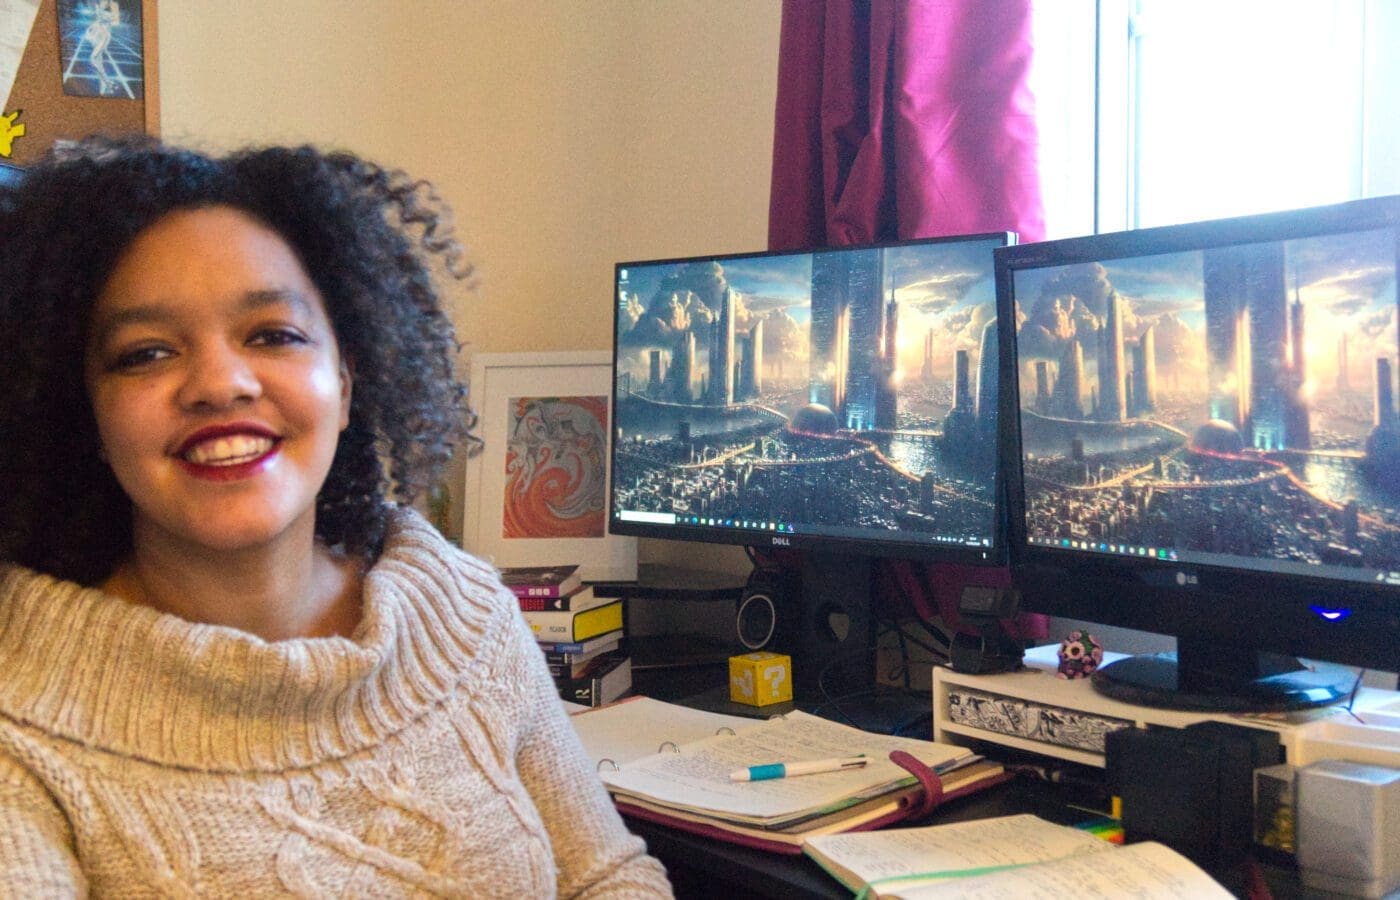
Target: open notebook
{"x": 1013, "y": 856}
{"x": 667, "y": 764}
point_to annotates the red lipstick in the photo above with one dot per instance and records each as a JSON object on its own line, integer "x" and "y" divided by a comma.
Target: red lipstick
{"x": 213, "y": 471}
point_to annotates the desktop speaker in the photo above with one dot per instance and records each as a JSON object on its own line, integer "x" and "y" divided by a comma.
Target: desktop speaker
{"x": 817, "y": 612}
{"x": 1190, "y": 788}
{"x": 757, "y": 618}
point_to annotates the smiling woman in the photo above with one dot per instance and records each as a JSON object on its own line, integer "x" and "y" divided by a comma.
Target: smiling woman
{"x": 221, "y": 387}
{"x": 233, "y": 663}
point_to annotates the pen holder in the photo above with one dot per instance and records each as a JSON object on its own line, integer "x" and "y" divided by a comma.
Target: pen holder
{"x": 760, "y": 679}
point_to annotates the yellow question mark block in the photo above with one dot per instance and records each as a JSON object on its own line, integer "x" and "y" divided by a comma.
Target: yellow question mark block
{"x": 760, "y": 679}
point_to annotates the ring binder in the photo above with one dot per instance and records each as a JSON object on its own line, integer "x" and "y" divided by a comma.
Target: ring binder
{"x": 914, "y": 805}
{"x": 613, "y": 763}
{"x": 902, "y": 783}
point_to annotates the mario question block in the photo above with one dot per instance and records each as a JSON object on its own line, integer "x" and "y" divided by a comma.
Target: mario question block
{"x": 760, "y": 679}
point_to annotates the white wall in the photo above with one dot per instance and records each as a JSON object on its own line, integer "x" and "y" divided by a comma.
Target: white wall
{"x": 567, "y": 135}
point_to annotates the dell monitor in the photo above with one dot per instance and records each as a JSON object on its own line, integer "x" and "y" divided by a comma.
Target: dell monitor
{"x": 841, "y": 402}
{"x": 1203, "y": 441}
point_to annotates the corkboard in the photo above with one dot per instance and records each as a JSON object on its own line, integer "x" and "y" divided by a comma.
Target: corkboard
{"x": 48, "y": 114}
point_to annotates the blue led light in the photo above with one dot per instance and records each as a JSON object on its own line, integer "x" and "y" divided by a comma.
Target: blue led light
{"x": 1331, "y": 614}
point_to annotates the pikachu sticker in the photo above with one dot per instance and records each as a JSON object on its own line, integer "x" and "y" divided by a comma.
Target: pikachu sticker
{"x": 10, "y": 131}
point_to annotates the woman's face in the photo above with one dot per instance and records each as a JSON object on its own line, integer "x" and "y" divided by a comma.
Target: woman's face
{"x": 216, "y": 381}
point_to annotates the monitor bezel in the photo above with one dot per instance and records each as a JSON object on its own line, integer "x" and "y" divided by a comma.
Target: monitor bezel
{"x": 995, "y": 555}
{"x": 1265, "y": 610}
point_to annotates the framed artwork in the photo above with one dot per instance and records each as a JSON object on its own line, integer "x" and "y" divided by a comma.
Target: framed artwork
{"x": 537, "y": 494}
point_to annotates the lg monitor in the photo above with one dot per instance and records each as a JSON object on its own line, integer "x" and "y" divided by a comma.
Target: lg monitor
{"x": 1202, "y": 441}
{"x": 839, "y": 401}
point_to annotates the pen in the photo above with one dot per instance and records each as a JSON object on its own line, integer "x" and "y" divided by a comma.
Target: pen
{"x": 789, "y": 769}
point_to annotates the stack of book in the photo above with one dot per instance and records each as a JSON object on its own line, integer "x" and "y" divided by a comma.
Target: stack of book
{"x": 579, "y": 632}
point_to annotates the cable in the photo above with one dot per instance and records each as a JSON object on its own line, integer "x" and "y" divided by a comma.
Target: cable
{"x": 1351, "y": 695}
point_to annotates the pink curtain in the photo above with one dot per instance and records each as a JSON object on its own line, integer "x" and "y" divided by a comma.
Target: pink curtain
{"x": 900, "y": 119}
{"x": 903, "y": 119}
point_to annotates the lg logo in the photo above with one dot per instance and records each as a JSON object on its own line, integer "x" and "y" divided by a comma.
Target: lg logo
{"x": 1185, "y": 578}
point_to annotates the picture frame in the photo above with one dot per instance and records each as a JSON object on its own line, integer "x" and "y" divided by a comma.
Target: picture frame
{"x": 537, "y": 494}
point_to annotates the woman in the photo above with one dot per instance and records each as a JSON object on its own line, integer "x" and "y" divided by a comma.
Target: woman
{"x": 228, "y": 665}
{"x": 106, "y": 15}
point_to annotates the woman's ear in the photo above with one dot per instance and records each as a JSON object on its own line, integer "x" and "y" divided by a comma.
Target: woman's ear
{"x": 347, "y": 382}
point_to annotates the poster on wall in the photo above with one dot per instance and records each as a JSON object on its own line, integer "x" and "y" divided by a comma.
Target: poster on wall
{"x": 101, "y": 48}
{"x": 16, "y": 19}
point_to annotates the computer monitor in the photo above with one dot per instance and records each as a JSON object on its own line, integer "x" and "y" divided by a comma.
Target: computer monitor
{"x": 1203, "y": 442}
{"x": 838, "y": 401}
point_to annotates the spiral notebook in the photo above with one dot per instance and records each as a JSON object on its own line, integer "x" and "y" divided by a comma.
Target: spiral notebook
{"x": 684, "y": 781}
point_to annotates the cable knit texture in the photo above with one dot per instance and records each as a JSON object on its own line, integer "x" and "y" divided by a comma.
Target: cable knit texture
{"x": 428, "y": 755}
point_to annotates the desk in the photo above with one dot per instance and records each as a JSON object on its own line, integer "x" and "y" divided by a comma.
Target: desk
{"x": 704, "y": 869}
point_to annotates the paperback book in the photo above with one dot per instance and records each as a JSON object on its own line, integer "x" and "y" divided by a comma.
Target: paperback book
{"x": 575, "y": 665}
{"x": 577, "y": 598}
{"x": 578, "y": 648}
{"x": 606, "y": 682}
{"x": 597, "y": 616}
{"x": 542, "y": 581}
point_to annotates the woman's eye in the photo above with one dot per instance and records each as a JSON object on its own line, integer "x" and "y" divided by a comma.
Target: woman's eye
{"x": 141, "y": 356}
{"x": 277, "y": 337}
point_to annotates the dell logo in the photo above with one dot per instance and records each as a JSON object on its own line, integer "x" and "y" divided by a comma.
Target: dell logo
{"x": 781, "y": 541}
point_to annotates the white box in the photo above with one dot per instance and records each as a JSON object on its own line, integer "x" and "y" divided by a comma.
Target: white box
{"x": 1349, "y": 827}
{"x": 1372, "y": 736}
{"x": 1038, "y": 686}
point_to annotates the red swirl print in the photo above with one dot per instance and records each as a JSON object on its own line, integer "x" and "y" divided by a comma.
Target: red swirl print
{"x": 556, "y": 473}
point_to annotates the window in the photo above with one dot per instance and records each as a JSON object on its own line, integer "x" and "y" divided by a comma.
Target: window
{"x": 1161, "y": 111}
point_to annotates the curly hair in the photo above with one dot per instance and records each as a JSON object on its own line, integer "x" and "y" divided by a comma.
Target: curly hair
{"x": 365, "y": 235}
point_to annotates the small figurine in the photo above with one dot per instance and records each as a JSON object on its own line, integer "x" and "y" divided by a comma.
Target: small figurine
{"x": 1080, "y": 655}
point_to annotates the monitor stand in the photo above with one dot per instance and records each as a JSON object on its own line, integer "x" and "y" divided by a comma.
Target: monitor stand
{"x": 1222, "y": 676}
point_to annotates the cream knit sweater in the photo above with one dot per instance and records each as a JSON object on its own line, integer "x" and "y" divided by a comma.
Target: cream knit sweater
{"x": 142, "y": 755}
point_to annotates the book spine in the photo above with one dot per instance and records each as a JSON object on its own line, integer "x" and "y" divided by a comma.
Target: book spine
{"x": 527, "y": 591}
{"x": 551, "y": 627}
{"x": 599, "y": 687}
{"x": 543, "y": 604}
{"x": 583, "y": 691}
{"x": 590, "y": 650}
{"x": 564, "y": 647}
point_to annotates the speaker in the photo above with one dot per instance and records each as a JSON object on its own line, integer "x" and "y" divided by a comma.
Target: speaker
{"x": 1190, "y": 788}
{"x": 819, "y": 614}
{"x": 757, "y": 618}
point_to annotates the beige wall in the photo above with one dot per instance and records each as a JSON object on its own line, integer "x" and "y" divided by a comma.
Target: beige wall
{"x": 567, "y": 134}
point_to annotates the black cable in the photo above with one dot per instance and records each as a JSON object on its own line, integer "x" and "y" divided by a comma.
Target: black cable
{"x": 1351, "y": 695}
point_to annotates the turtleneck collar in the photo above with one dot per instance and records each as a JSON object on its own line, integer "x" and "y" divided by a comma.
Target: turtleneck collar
{"x": 91, "y": 668}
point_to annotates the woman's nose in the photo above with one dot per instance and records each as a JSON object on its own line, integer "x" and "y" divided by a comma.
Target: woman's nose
{"x": 218, "y": 377}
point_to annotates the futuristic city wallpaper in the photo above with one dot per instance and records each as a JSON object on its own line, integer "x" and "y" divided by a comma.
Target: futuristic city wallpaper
{"x": 834, "y": 392}
{"x": 1235, "y": 404}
